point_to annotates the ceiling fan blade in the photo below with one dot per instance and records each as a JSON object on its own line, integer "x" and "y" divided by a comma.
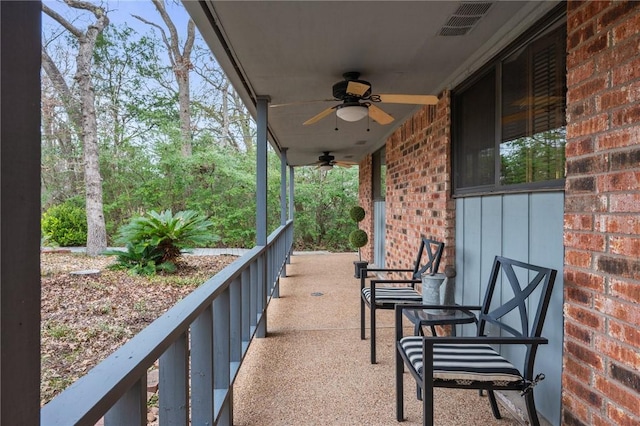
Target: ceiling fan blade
{"x": 345, "y": 164}
{"x": 357, "y": 88}
{"x": 409, "y": 99}
{"x": 379, "y": 115}
{"x": 319, "y": 117}
{"x": 316, "y": 101}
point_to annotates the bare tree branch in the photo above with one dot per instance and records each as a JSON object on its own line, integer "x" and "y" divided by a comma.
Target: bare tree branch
{"x": 181, "y": 65}
{"x": 165, "y": 39}
{"x": 173, "y": 44}
{"x": 61, "y": 86}
{"x": 62, "y": 21}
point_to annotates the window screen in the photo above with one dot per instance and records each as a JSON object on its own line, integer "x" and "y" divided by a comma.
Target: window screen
{"x": 509, "y": 122}
{"x": 475, "y": 123}
{"x": 533, "y": 113}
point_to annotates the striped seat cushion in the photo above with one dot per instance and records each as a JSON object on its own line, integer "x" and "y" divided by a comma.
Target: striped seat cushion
{"x": 385, "y": 295}
{"x": 463, "y": 363}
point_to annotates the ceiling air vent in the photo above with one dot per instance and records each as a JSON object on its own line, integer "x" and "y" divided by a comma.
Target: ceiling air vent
{"x": 465, "y": 18}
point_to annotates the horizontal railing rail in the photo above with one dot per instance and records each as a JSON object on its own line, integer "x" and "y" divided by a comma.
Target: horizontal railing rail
{"x": 200, "y": 344}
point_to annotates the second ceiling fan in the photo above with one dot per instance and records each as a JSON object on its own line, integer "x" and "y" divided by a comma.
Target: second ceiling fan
{"x": 358, "y": 101}
{"x": 326, "y": 162}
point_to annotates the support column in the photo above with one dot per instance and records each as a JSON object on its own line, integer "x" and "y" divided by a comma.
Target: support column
{"x": 20, "y": 50}
{"x": 283, "y": 201}
{"x": 283, "y": 187}
{"x": 291, "y": 199}
{"x": 261, "y": 171}
{"x": 261, "y": 210}
{"x": 291, "y": 205}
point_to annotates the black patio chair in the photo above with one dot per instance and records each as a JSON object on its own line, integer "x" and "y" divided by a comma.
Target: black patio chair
{"x": 387, "y": 296}
{"x": 473, "y": 362}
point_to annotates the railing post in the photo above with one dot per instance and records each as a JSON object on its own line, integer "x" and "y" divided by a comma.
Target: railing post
{"x": 202, "y": 369}
{"x": 215, "y": 324}
{"x": 236, "y": 321}
{"x": 253, "y": 294}
{"x": 222, "y": 356}
{"x": 261, "y": 330}
{"x": 274, "y": 278}
{"x": 131, "y": 408}
{"x": 247, "y": 307}
{"x": 173, "y": 384}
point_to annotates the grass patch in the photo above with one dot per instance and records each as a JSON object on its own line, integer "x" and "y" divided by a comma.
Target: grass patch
{"x": 58, "y": 331}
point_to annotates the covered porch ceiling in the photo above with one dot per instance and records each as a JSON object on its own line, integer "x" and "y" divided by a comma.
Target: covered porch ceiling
{"x": 295, "y": 51}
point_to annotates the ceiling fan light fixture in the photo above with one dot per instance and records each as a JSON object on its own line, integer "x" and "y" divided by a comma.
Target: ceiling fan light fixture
{"x": 326, "y": 167}
{"x": 352, "y": 111}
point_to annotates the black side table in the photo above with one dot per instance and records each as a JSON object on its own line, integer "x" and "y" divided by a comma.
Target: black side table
{"x": 433, "y": 317}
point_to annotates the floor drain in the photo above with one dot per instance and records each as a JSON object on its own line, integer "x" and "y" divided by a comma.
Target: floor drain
{"x": 317, "y": 293}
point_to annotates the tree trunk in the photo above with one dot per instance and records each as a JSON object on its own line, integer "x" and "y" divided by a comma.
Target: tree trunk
{"x": 181, "y": 65}
{"x": 184, "y": 103}
{"x": 96, "y": 229}
{"x": 226, "y": 122}
{"x": 244, "y": 121}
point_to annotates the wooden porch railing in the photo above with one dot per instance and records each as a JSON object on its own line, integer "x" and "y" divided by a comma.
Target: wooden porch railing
{"x": 200, "y": 344}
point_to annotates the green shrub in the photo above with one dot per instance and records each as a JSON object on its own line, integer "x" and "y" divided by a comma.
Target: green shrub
{"x": 65, "y": 225}
{"x": 358, "y": 238}
{"x": 155, "y": 241}
{"x": 357, "y": 213}
{"x": 141, "y": 259}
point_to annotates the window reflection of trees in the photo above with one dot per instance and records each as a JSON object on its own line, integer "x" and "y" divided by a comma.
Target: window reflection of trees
{"x": 536, "y": 158}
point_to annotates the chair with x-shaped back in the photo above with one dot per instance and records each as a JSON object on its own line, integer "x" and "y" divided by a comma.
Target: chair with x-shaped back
{"x": 388, "y": 292}
{"x": 474, "y": 362}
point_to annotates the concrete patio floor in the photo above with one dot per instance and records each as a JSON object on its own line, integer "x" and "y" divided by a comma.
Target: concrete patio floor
{"x": 313, "y": 369}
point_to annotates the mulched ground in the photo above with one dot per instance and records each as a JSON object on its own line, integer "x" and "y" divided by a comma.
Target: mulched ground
{"x": 85, "y": 318}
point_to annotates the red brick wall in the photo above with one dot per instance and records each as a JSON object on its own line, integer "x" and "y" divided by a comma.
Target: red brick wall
{"x": 365, "y": 195}
{"x": 418, "y": 197}
{"x": 601, "y": 379}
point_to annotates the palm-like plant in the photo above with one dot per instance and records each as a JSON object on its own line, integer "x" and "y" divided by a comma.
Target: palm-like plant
{"x": 141, "y": 259}
{"x": 160, "y": 238}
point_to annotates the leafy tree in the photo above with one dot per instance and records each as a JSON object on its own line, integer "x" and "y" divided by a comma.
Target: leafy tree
{"x": 224, "y": 185}
{"x": 141, "y": 136}
{"x": 62, "y": 170}
{"x": 81, "y": 110}
{"x": 534, "y": 158}
{"x": 220, "y": 111}
{"x": 181, "y": 66}
{"x": 321, "y": 199}
{"x": 129, "y": 118}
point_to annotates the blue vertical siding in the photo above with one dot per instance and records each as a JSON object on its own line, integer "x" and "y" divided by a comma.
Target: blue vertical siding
{"x": 527, "y": 227}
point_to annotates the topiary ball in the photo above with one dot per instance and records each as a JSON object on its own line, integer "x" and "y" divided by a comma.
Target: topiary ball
{"x": 357, "y": 213}
{"x": 358, "y": 238}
